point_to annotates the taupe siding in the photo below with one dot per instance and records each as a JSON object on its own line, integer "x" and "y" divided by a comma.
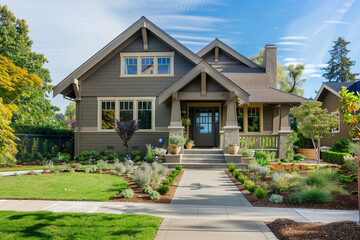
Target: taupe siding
{"x": 89, "y": 112}
{"x": 211, "y": 85}
{"x": 331, "y": 103}
{"x": 268, "y": 118}
{"x": 103, "y": 141}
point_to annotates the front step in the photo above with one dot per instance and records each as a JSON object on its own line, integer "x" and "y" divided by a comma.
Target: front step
{"x": 203, "y": 156}
{"x": 203, "y": 151}
{"x": 203, "y": 165}
{"x": 197, "y": 160}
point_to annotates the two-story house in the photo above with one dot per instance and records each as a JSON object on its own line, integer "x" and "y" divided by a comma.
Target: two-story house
{"x": 146, "y": 74}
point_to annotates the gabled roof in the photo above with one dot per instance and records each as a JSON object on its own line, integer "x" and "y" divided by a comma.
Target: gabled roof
{"x": 142, "y": 22}
{"x": 204, "y": 67}
{"x": 228, "y": 50}
{"x": 333, "y": 87}
{"x": 273, "y": 95}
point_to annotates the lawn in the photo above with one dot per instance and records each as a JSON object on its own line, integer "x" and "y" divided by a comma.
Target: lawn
{"x": 67, "y": 186}
{"x": 48, "y": 225}
{"x": 21, "y": 169}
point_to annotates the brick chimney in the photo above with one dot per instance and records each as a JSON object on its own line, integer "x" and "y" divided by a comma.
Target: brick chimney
{"x": 270, "y": 63}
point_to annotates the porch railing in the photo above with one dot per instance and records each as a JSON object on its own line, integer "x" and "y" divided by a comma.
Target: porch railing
{"x": 266, "y": 142}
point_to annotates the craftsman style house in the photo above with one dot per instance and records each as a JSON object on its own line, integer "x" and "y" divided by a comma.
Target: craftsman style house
{"x": 146, "y": 74}
{"x": 329, "y": 96}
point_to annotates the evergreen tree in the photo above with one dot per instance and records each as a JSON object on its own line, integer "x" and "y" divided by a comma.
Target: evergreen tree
{"x": 15, "y": 44}
{"x": 339, "y": 66}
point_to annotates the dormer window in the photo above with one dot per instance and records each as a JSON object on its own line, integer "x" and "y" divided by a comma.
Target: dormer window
{"x": 147, "y": 64}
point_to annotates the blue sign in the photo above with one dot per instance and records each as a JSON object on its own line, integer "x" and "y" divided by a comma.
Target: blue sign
{"x": 160, "y": 140}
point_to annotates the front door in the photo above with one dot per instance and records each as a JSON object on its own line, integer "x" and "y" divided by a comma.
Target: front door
{"x": 205, "y": 126}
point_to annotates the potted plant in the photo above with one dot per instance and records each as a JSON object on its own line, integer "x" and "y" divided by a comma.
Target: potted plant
{"x": 233, "y": 148}
{"x": 185, "y": 122}
{"x": 175, "y": 144}
{"x": 189, "y": 144}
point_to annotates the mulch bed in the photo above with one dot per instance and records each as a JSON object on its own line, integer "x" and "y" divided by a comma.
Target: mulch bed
{"x": 141, "y": 197}
{"x": 341, "y": 202}
{"x": 288, "y": 229}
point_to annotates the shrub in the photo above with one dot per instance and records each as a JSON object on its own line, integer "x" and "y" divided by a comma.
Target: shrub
{"x": 49, "y": 165}
{"x": 236, "y": 174}
{"x": 128, "y": 169}
{"x": 87, "y": 170}
{"x": 299, "y": 157}
{"x": 150, "y": 155}
{"x": 163, "y": 189}
{"x": 314, "y": 194}
{"x": 341, "y": 146}
{"x": 147, "y": 190}
{"x": 242, "y": 179}
{"x": 113, "y": 172}
{"x": 177, "y": 141}
{"x": 154, "y": 195}
{"x": 351, "y": 163}
{"x": 271, "y": 167}
{"x": 278, "y": 187}
{"x": 293, "y": 198}
{"x": 72, "y": 170}
{"x": 345, "y": 178}
{"x": 260, "y": 193}
{"x": 247, "y": 153}
{"x": 145, "y": 167}
{"x": 261, "y": 157}
{"x": 277, "y": 176}
{"x": 275, "y": 198}
{"x": 248, "y": 184}
{"x": 179, "y": 167}
{"x": 296, "y": 170}
{"x": 171, "y": 180}
{"x": 100, "y": 172}
{"x": 141, "y": 178}
{"x": 101, "y": 164}
{"x": 333, "y": 157}
{"x": 155, "y": 179}
{"x": 231, "y": 167}
{"x": 355, "y": 192}
{"x": 56, "y": 172}
{"x": 120, "y": 167}
{"x": 127, "y": 193}
{"x": 166, "y": 182}
{"x": 264, "y": 171}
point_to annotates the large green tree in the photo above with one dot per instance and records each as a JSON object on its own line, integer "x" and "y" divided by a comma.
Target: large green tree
{"x": 292, "y": 83}
{"x": 15, "y": 44}
{"x": 70, "y": 111}
{"x": 338, "y": 69}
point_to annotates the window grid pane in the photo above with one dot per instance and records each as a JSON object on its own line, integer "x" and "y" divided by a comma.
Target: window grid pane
{"x": 147, "y": 65}
{"x": 240, "y": 119}
{"x": 130, "y": 66}
{"x": 108, "y": 115}
{"x": 126, "y": 111}
{"x": 145, "y": 114}
{"x": 164, "y": 65}
{"x": 254, "y": 119}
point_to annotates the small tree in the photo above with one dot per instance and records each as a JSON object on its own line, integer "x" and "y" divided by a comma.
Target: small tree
{"x": 314, "y": 123}
{"x": 126, "y": 130}
{"x": 289, "y": 145}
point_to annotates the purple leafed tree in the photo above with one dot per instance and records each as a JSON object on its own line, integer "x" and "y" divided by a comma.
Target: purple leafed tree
{"x": 126, "y": 130}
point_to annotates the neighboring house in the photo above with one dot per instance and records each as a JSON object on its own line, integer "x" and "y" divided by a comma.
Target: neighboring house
{"x": 329, "y": 96}
{"x": 146, "y": 74}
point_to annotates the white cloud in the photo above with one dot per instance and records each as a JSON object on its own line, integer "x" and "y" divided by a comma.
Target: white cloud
{"x": 191, "y": 37}
{"x": 294, "y": 38}
{"x": 309, "y": 70}
{"x": 316, "y": 75}
{"x": 193, "y": 43}
{"x": 323, "y": 65}
{"x": 291, "y": 43}
{"x": 189, "y": 29}
{"x": 289, "y": 59}
{"x": 336, "y": 22}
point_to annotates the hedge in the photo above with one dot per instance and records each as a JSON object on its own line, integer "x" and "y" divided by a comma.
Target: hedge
{"x": 333, "y": 157}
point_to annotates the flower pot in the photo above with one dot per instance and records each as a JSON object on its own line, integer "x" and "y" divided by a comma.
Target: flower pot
{"x": 188, "y": 146}
{"x": 173, "y": 149}
{"x": 233, "y": 149}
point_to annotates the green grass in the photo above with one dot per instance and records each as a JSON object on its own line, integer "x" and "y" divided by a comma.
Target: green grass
{"x": 48, "y": 225}
{"x": 22, "y": 169}
{"x": 83, "y": 186}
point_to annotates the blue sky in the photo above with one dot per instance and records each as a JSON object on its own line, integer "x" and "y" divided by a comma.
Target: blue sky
{"x": 68, "y": 32}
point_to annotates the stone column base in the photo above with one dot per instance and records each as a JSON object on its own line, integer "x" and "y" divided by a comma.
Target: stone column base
{"x": 173, "y": 158}
{"x": 282, "y": 142}
{"x": 231, "y": 136}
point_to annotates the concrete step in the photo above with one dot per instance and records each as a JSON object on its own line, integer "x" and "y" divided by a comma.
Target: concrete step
{"x": 203, "y": 156}
{"x": 203, "y": 151}
{"x": 203, "y": 165}
{"x": 194, "y": 160}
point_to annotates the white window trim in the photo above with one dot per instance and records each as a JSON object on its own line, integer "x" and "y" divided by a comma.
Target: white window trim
{"x": 117, "y": 110}
{"x": 337, "y": 113}
{"x": 139, "y": 55}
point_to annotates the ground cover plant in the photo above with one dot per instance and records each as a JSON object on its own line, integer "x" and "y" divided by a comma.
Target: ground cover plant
{"x": 77, "y": 186}
{"x": 326, "y": 188}
{"x": 48, "y": 225}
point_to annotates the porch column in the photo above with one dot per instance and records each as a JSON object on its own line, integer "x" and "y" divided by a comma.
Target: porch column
{"x": 175, "y": 128}
{"x": 231, "y": 128}
{"x": 276, "y": 119}
{"x": 284, "y": 128}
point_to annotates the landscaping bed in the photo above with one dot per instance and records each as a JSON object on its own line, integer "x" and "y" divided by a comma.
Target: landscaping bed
{"x": 48, "y": 225}
{"x": 141, "y": 197}
{"x": 343, "y": 201}
{"x": 285, "y": 229}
